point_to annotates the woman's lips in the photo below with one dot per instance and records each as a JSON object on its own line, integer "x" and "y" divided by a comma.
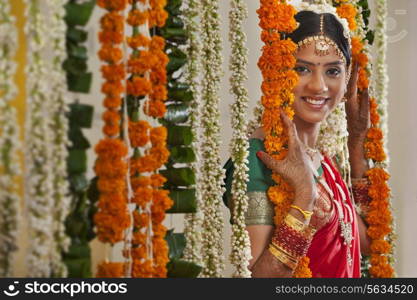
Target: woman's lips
{"x": 315, "y": 103}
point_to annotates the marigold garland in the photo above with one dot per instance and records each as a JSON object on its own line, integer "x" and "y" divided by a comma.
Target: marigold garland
{"x": 379, "y": 217}
{"x": 112, "y": 218}
{"x": 147, "y": 69}
{"x": 276, "y": 64}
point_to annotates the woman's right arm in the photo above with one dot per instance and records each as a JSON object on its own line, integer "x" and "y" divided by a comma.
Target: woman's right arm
{"x": 263, "y": 263}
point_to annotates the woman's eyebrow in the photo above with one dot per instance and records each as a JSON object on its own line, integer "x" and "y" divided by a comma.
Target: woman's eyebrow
{"x": 338, "y": 62}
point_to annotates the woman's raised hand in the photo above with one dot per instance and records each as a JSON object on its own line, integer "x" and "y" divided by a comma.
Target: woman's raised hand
{"x": 296, "y": 167}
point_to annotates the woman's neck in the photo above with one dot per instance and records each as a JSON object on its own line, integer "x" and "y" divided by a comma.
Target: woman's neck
{"x": 307, "y": 132}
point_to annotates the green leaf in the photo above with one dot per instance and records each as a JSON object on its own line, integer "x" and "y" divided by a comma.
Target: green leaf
{"x": 179, "y": 135}
{"x": 179, "y": 176}
{"x": 77, "y": 51}
{"x": 78, "y": 182}
{"x": 173, "y": 7}
{"x": 75, "y": 65}
{"x": 78, "y": 139}
{"x": 178, "y": 268}
{"x": 184, "y": 201}
{"x": 79, "y": 83}
{"x": 175, "y": 63}
{"x": 77, "y": 161}
{"x": 79, "y": 14}
{"x": 177, "y": 113}
{"x": 78, "y": 250}
{"x": 174, "y": 22}
{"x": 81, "y": 114}
{"x": 182, "y": 154}
{"x": 93, "y": 193}
{"x": 78, "y": 268}
{"x": 176, "y": 243}
{"x": 184, "y": 96}
{"x": 77, "y": 35}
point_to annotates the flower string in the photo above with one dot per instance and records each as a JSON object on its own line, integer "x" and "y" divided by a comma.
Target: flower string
{"x": 112, "y": 218}
{"x": 9, "y": 143}
{"x": 239, "y": 144}
{"x": 212, "y": 180}
{"x": 193, "y": 222}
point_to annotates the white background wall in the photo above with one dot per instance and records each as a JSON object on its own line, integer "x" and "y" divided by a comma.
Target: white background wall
{"x": 402, "y": 63}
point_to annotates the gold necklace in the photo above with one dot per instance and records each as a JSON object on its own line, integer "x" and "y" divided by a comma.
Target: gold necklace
{"x": 310, "y": 151}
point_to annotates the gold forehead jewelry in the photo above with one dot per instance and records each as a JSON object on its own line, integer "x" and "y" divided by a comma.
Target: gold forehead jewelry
{"x": 323, "y": 45}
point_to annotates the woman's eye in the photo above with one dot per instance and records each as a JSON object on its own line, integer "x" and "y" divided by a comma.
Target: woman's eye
{"x": 301, "y": 70}
{"x": 333, "y": 72}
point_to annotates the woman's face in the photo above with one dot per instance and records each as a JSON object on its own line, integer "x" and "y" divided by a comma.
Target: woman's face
{"x": 321, "y": 84}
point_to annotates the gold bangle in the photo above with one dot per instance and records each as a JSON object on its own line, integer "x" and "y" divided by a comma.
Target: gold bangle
{"x": 283, "y": 257}
{"x": 299, "y": 226}
{"x": 307, "y": 214}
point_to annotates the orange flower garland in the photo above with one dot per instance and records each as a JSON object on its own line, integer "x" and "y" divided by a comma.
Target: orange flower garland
{"x": 379, "y": 216}
{"x": 147, "y": 66}
{"x": 276, "y": 64}
{"x": 112, "y": 217}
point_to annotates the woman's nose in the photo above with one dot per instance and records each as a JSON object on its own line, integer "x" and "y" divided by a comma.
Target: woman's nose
{"x": 317, "y": 84}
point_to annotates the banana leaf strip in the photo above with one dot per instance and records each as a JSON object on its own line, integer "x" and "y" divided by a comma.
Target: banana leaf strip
{"x": 179, "y": 176}
{"x": 177, "y": 113}
{"x": 179, "y": 135}
{"x": 79, "y": 14}
{"x": 178, "y": 268}
{"x": 182, "y": 154}
{"x": 184, "y": 201}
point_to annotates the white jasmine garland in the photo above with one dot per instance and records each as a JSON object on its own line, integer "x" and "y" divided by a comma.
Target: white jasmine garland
{"x": 38, "y": 148}
{"x": 381, "y": 78}
{"x": 59, "y": 129}
{"x": 241, "y": 252}
{"x": 213, "y": 174}
{"x": 9, "y": 143}
{"x": 193, "y": 222}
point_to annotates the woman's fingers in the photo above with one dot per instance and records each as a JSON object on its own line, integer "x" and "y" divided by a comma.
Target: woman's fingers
{"x": 292, "y": 131}
{"x": 269, "y": 161}
{"x": 352, "y": 87}
{"x": 364, "y": 109}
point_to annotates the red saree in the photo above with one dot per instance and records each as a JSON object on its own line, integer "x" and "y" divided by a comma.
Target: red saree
{"x": 328, "y": 254}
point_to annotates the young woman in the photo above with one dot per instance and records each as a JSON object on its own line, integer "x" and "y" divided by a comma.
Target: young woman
{"x": 322, "y": 222}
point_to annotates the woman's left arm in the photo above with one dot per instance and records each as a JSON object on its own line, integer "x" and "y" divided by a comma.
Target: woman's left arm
{"x": 358, "y": 119}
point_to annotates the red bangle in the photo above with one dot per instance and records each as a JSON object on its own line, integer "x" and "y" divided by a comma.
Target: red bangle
{"x": 292, "y": 241}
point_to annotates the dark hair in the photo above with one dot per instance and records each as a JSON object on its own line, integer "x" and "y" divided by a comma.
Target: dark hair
{"x": 310, "y": 26}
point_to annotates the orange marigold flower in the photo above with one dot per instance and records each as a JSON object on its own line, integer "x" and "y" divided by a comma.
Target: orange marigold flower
{"x": 112, "y": 203}
{"x": 112, "y": 103}
{"x": 142, "y": 269}
{"x": 159, "y": 93}
{"x": 111, "y": 149}
{"x": 154, "y": 108}
{"x": 160, "y": 155}
{"x": 157, "y": 43}
{"x": 378, "y": 231}
{"x": 141, "y": 219}
{"x": 137, "y": 41}
{"x": 377, "y": 175}
{"x": 139, "y": 238}
{"x": 143, "y": 195}
{"x": 157, "y": 17}
{"x": 161, "y": 199}
{"x": 110, "y": 54}
{"x": 363, "y": 81}
{"x": 141, "y": 181}
{"x": 380, "y": 247}
{"x": 111, "y": 117}
{"x": 374, "y": 133}
{"x": 138, "y": 86}
{"x": 137, "y": 17}
{"x": 158, "y": 135}
{"x": 357, "y": 46}
{"x": 113, "y": 72}
{"x": 302, "y": 270}
{"x": 112, "y": 4}
{"x": 138, "y": 133}
{"x": 109, "y": 37}
{"x": 348, "y": 11}
{"x": 112, "y": 22}
{"x": 159, "y": 77}
{"x": 275, "y": 15}
{"x": 111, "y": 130}
{"x": 110, "y": 168}
{"x": 110, "y": 270}
{"x": 112, "y": 88}
{"x": 158, "y": 180}
{"x": 111, "y": 185}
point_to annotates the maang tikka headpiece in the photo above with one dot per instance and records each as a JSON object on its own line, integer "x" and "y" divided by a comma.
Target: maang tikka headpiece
{"x": 323, "y": 45}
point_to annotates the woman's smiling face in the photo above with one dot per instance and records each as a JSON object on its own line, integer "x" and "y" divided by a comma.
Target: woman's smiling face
{"x": 321, "y": 85}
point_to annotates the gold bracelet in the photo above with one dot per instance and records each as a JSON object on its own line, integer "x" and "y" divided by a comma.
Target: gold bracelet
{"x": 283, "y": 257}
{"x": 299, "y": 226}
{"x": 307, "y": 214}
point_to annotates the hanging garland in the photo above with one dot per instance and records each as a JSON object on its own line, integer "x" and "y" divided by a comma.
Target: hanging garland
{"x": 112, "y": 217}
{"x": 239, "y": 144}
{"x": 194, "y": 221}
{"x": 147, "y": 69}
{"x": 213, "y": 174}
{"x": 39, "y": 144}
{"x": 82, "y": 208}
{"x": 378, "y": 217}
{"x": 59, "y": 128}
{"x": 9, "y": 145}
{"x": 382, "y": 79}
